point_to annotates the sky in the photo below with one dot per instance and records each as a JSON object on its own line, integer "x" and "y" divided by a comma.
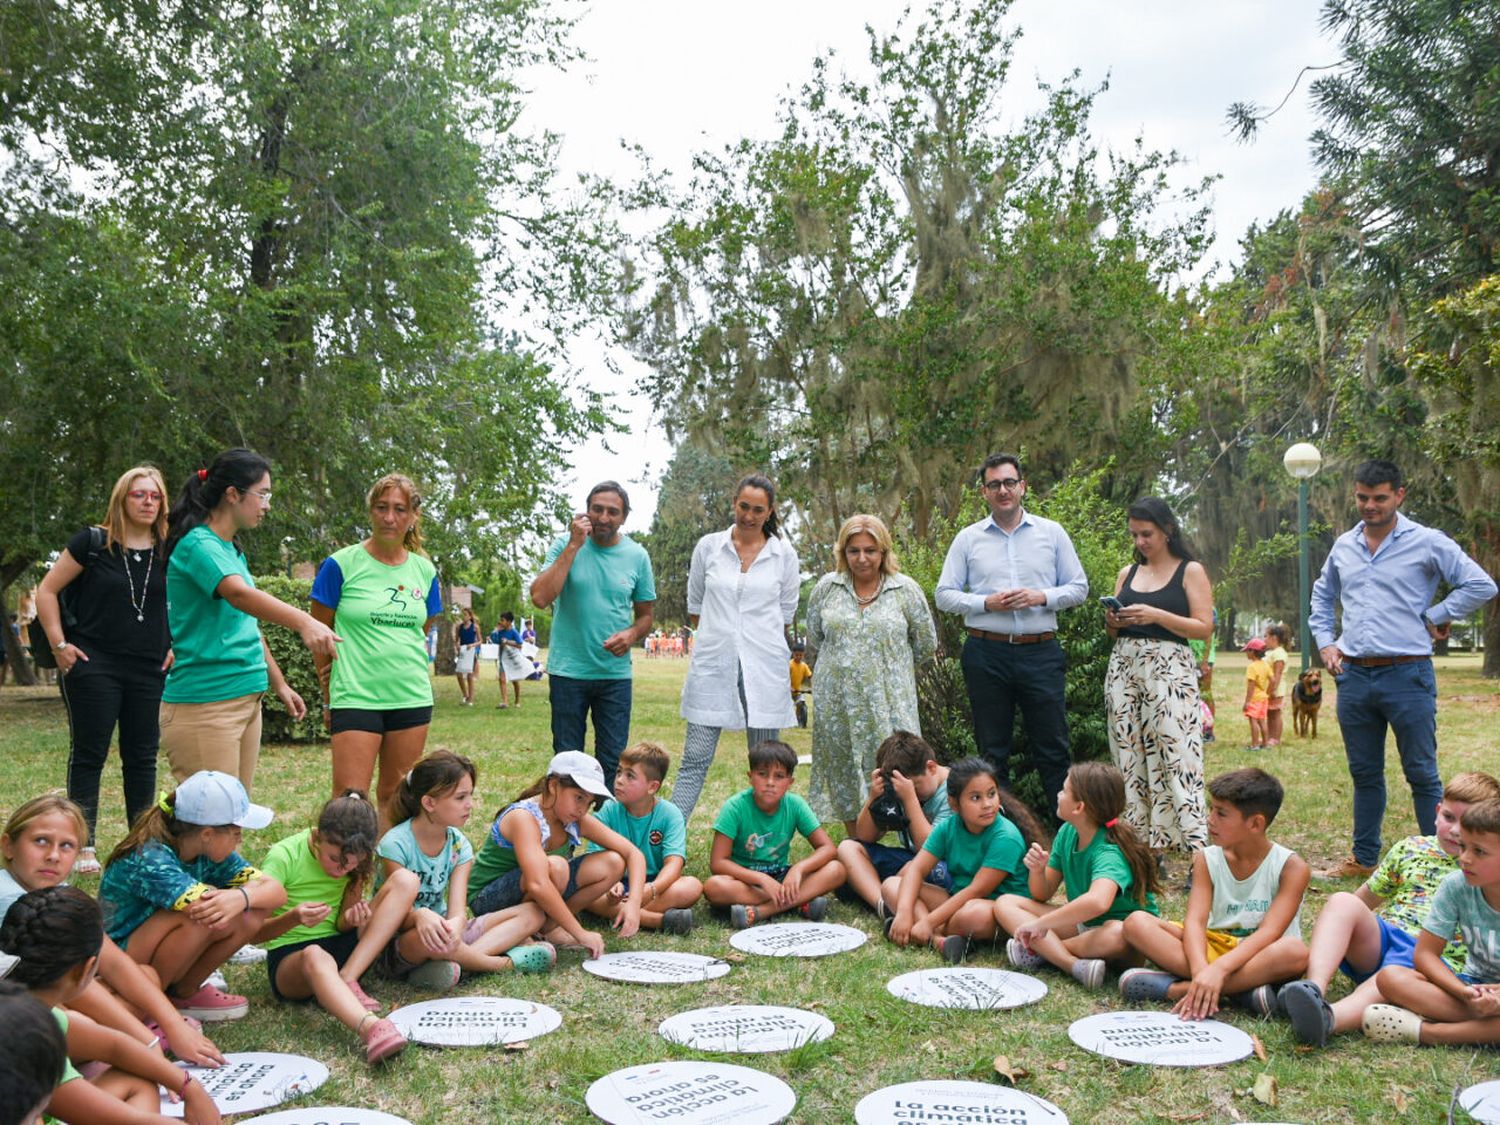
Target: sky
{"x": 680, "y": 77}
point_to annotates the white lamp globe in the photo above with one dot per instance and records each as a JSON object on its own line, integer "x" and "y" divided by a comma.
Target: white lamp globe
{"x": 1303, "y": 461}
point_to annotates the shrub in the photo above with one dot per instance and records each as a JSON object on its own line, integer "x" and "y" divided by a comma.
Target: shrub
{"x": 296, "y": 665}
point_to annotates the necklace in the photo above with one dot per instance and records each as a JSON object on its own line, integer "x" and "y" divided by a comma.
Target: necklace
{"x": 862, "y": 601}
{"x": 140, "y": 608}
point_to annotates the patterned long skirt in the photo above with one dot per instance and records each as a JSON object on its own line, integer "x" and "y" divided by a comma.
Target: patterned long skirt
{"x": 1156, "y": 739}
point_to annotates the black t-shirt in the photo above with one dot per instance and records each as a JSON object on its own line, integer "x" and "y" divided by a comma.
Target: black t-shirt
{"x": 100, "y": 598}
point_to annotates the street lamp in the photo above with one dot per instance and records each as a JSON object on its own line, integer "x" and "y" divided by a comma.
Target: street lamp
{"x": 1303, "y": 462}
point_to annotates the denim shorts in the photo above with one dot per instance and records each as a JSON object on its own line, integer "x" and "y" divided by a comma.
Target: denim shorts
{"x": 1396, "y": 948}
{"x": 889, "y": 861}
{"x": 507, "y": 890}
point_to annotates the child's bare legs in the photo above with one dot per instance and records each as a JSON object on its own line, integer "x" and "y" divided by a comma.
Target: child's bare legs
{"x": 1161, "y": 942}
{"x": 1273, "y": 724}
{"x": 1014, "y": 911}
{"x": 726, "y": 890}
{"x": 975, "y": 920}
{"x": 183, "y": 952}
{"x": 1445, "y": 1018}
{"x": 1257, "y": 732}
{"x": 388, "y": 909}
{"x": 597, "y": 872}
{"x": 105, "y": 1008}
{"x": 502, "y": 930}
{"x": 1346, "y": 929}
{"x": 684, "y": 891}
{"x": 862, "y": 878}
{"x": 929, "y": 895}
{"x": 313, "y": 972}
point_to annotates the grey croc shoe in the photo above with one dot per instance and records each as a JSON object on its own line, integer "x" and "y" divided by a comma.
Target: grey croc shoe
{"x": 1310, "y": 1015}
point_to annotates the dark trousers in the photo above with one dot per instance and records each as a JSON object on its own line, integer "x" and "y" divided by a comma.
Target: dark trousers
{"x": 607, "y": 701}
{"x": 99, "y": 694}
{"x": 1002, "y": 677}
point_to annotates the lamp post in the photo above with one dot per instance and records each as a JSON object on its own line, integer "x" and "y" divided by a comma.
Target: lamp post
{"x": 1303, "y": 461}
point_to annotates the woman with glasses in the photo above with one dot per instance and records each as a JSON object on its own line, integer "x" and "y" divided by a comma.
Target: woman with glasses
{"x": 210, "y": 711}
{"x": 104, "y": 608}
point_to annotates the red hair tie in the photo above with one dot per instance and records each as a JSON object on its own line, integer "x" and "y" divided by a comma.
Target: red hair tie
{"x": 202, "y": 474}
{"x": 1111, "y": 822}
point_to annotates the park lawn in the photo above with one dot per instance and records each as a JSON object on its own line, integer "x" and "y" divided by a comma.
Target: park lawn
{"x": 879, "y": 1040}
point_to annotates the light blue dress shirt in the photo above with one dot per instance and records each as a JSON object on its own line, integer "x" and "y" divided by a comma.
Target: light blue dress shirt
{"x": 985, "y": 559}
{"x": 1387, "y": 596}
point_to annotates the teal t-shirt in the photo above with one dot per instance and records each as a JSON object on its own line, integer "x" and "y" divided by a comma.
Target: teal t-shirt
{"x": 216, "y": 648}
{"x": 1460, "y": 908}
{"x": 432, "y": 871}
{"x": 1100, "y": 860}
{"x": 763, "y": 841}
{"x": 597, "y": 600}
{"x": 381, "y": 613}
{"x": 1000, "y": 846}
{"x": 292, "y": 864}
{"x": 658, "y": 834}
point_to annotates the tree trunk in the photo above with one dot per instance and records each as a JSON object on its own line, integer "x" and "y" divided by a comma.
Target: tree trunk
{"x": 1491, "y": 612}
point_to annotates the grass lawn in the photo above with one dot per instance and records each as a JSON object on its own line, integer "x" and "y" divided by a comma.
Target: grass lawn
{"x": 879, "y": 1040}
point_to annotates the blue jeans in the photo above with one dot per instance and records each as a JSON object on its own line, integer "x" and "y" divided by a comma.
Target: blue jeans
{"x": 1403, "y": 698}
{"x": 609, "y": 703}
{"x": 1001, "y": 677}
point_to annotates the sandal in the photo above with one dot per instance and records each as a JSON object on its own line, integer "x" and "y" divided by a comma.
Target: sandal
{"x": 535, "y": 958}
{"x": 1386, "y": 1023}
{"x": 1309, "y": 1013}
{"x": 368, "y": 1002}
{"x": 87, "y": 862}
{"x": 383, "y": 1040}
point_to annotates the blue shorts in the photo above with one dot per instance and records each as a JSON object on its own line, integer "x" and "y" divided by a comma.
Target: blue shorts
{"x": 506, "y": 891}
{"x": 889, "y": 861}
{"x": 1396, "y": 948}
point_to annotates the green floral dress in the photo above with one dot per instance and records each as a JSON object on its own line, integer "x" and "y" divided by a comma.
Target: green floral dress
{"x": 865, "y": 662}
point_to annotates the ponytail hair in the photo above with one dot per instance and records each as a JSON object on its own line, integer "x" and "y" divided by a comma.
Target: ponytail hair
{"x": 1100, "y": 787}
{"x": 52, "y": 931}
{"x": 772, "y": 526}
{"x": 348, "y": 822}
{"x": 32, "y": 1052}
{"x": 204, "y": 488}
{"x": 1015, "y": 810}
{"x": 435, "y": 775}
{"x": 157, "y": 825}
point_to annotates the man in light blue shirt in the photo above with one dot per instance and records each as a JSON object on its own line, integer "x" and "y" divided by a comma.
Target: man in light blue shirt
{"x": 605, "y": 593}
{"x": 1384, "y": 573}
{"x": 1008, "y": 575}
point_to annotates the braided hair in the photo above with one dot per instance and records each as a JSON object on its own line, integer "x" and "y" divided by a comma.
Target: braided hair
{"x": 52, "y": 931}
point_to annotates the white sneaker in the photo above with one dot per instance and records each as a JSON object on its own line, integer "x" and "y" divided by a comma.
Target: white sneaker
{"x": 216, "y": 979}
{"x": 247, "y": 955}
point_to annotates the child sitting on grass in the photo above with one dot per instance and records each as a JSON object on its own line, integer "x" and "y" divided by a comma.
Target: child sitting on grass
{"x": 753, "y": 841}
{"x": 920, "y": 786}
{"x": 1362, "y": 932}
{"x": 1242, "y": 933}
{"x": 1430, "y": 1003}
{"x": 657, "y": 829}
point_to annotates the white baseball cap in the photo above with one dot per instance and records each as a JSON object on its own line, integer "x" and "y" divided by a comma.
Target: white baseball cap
{"x": 211, "y": 798}
{"x": 585, "y": 772}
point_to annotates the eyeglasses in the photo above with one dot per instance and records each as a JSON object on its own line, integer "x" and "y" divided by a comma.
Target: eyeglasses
{"x": 263, "y": 495}
{"x": 144, "y": 494}
{"x": 1002, "y": 484}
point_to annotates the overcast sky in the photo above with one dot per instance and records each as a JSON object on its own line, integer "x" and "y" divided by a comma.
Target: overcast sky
{"x": 680, "y": 77}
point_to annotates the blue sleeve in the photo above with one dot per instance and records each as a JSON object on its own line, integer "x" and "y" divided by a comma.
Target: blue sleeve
{"x": 392, "y": 845}
{"x": 1325, "y": 593}
{"x": 434, "y": 598}
{"x": 328, "y": 586}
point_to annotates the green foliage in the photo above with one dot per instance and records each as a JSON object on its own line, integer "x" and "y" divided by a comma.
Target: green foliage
{"x": 296, "y": 665}
{"x": 695, "y": 499}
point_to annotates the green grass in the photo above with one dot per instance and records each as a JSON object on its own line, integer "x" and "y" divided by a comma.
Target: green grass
{"x": 879, "y": 1040}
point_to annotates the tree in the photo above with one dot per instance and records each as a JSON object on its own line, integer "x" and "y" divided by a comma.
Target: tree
{"x": 696, "y": 497}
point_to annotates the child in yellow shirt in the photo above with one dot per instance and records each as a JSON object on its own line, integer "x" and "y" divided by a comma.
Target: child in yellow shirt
{"x": 1257, "y": 691}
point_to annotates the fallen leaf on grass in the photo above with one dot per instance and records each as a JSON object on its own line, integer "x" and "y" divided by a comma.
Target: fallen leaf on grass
{"x": 1264, "y": 1089}
{"x": 1399, "y": 1095}
{"x": 520, "y": 1046}
{"x": 1012, "y": 1074}
{"x": 1260, "y": 1048}
{"x": 1060, "y": 1064}
{"x": 1186, "y": 1116}
{"x": 735, "y": 958}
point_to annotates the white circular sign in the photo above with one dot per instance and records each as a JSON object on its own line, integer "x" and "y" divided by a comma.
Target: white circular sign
{"x": 1160, "y": 1039}
{"x": 252, "y": 1080}
{"x": 646, "y": 966}
{"x": 798, "y": 939}
{"x": 690, "y": 1093}
{"x": 745, "y": 1029}
{"x": 967, "y": 988}
{"x": 474, "y": 1021}
{"x": 1482, "y": 1102}
{"x": 918, "y": 1102}
{"x": 328, "y": 1115}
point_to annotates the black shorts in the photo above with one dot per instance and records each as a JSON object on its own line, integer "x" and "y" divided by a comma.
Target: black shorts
{"x": 339, "y": 945}
{"x": 342, "y": 719}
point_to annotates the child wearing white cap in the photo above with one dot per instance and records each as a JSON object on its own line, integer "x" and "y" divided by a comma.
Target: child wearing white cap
{"x": 528, "y": 855}
{"x": 178, "y": 896}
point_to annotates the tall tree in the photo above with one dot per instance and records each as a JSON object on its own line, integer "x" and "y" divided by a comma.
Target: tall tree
{"x": 695, "y": 498}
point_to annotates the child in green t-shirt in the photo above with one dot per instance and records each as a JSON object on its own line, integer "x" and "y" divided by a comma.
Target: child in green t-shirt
{"x": 1106, "y": 870}
{"x": 657, "y": 828}
{"x": 753, "y": 842}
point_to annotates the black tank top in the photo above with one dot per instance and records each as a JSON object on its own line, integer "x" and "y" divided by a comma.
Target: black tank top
{"x": 1172, "y": 597}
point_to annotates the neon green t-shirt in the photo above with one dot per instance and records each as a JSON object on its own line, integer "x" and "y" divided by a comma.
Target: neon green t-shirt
{"x": 216, "y": 648}
{"x": 381, "y": 613}
{"x": 763, "y": 841}
{"x": 597, "y": 600}
{"x": 292, "y": 864}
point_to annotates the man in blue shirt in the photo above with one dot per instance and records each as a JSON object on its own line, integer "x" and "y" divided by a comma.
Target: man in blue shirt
{"x": 1384, "y": 573}
{"x": 602, "y": 585}
{"x": 1008, "y": 575}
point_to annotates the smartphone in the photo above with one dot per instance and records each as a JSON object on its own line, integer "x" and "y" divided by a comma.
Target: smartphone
{"x": 1109, "y": 601}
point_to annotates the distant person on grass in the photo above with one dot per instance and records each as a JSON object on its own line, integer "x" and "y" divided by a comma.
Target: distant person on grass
{"x": 1257, "y": 691}
{"x": 601, "y": 583}
{"x": 512, "y": 667}
{"x": 1383, "y": 574}
{"x": 466, "y": 655}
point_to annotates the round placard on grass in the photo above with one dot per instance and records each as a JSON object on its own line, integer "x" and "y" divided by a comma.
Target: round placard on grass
{"x": 1160, "y": 1039}
{"x": 745, "y": 1029}
{"x": 474, "y": 1021}
{"x": 328, "y": 1115}
{"x": 252, "y": 1080}
{"x": 918, "y": 1102}
{"x": 690, "y": 1093}
{"x": 1482, "y": 1102}
{"x": 798, "y": 939}
{"x": 648, "y": 966}
{"x": 965, "y": 987}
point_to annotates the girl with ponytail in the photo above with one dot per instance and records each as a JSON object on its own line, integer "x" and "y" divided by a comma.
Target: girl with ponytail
{"x": 1106, "y": 870}
{"x": 210, "y": 714}
{"x": 55, "y": 934}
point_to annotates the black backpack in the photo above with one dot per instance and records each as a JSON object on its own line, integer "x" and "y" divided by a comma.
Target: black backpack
{"x": 36, "y": 636}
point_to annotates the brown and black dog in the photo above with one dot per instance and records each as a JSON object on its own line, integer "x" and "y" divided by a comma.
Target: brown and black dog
{"x": 1307, "y": 697}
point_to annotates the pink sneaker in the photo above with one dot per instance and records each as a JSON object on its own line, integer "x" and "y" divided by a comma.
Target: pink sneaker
{"x": 209, "y": 1004}
{"x": 370, "y": 1003}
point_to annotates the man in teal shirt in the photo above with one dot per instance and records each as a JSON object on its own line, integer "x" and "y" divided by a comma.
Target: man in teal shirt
{"x": 601, "y": 584}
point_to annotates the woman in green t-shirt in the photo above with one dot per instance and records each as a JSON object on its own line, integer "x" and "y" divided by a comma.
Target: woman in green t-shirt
{"x": 210, "y": 712}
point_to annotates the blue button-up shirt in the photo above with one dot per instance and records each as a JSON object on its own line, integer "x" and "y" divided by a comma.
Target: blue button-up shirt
{"x": 1387, "y": 596}
{"x": 985, "y": 559}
